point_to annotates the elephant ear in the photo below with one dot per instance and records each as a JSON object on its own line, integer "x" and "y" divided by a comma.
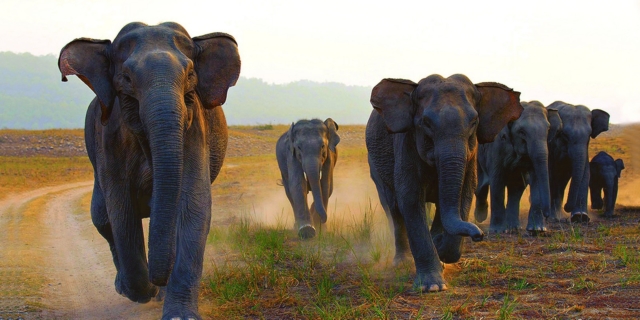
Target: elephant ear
{"x": 88, "y": 60}
{"x": 290, "y": 134}
{"x": 217, "y": 65}
{"x": 619, "y": 166}
{"x": 498, "y": 104}
{"x": 334, "y": 138}
{"x": 555, "y": 123}
{"x": 392, "y": 99}
{"x": 599, "y": 122}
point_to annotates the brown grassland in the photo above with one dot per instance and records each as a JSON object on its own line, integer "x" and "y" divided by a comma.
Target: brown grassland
{"x": 256, "y": 267}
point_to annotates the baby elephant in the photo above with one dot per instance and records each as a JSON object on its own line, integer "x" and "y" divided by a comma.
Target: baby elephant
{"x": 306, "y": 156}
{"x": 604, "y": 175}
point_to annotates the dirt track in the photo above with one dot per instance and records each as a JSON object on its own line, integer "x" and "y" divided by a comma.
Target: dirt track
{"x": 54, "y": 264}
{"x": 67, "y": 257}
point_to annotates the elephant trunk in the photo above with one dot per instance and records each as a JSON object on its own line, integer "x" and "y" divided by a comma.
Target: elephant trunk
{"x": 579, "y": 160}
{"x": 539, "y": 155}
{"x": 312, "y": 169}
{"x": 165, "y": 127}
{"x": 451, "y": 166}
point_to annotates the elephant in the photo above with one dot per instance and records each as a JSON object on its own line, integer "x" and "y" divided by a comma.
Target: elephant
{"x": 422, "y": 142}
{"x": 517, "y": 157}
{"x": 569, "y": 158}
{"x": 306, "y": 156}
{"x": 604, "y": 175}
{"x": 156, "y": 136}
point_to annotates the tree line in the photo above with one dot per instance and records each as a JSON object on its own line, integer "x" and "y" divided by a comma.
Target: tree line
{"x": 33, "y": 97}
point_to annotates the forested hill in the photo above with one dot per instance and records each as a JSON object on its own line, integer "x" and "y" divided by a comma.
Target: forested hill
{"x": 33, "y": 97}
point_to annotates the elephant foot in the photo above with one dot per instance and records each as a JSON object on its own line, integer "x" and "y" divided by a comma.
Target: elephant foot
{"x": 481, "y": 212}
{"x": 597, "y": 205}
{"x": 553, "y": 218}
{"x": 401, "y": 258}
{"x": 504, "y": 230}
{"x": 307, "y": 231}
{"x": 135, "y": 292}
{"x": 578, "y": 217}
{"x": 448, "y": 247}
{"x": 536, "y": 230}
{"x": 162, "y": 291}
{"x": 185, "y": 316}
{"x": 429, "y": 282}
{"x": 181, "y": 318}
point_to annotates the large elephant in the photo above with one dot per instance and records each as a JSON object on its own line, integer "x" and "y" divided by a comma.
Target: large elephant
{"x": 569, "y": 158}
{"x": 156, "y": 136}
{"x": 519, "y": 156}
{"x": 422, "y": 142}
{"x": 604, "y": 175}
{"x": 306, "y": 156}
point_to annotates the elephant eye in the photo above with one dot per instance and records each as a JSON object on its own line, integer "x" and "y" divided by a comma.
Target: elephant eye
{"x": 427, "y": 125}
{"x": 126, "y": 78}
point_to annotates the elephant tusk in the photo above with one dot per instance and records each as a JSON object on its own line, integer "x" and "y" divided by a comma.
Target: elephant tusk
{"x": 320, "y": 174}
{"x": 305, "y": 176}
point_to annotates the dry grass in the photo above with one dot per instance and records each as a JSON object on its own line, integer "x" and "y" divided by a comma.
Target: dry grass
{"x": 20, "y": 292}
{"x": 256, "y": 267}
{"x": 26, "y": 173}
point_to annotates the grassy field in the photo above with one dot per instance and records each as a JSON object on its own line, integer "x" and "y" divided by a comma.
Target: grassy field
{"x": 256, "y": 267}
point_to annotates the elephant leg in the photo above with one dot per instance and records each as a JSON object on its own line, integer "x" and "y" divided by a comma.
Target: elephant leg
{"x": 411, "y": 205}
{"x": 390, "y": 207}
{"x": 446, "y": 244}
{"x": 614, "y": 194}
{"x": 428, "y": 266}
{"x": 557, "y": 185}
{"x": 515, "y": 188}
{"x": 193, "y": 223}
{"x": 100, "y": 220}
{"x": 298, "y": 198}
{"x": 482, "y": 192}
{"x": 579, "y": 212}
{"x": 595, "y": 191}
{"x": 609, "y": 199}
{"x": 132, "y": 279}
{"x": 482, "y": 206}
{"x": 400, "y": 235}
{"x": 535, "y": 223}
{"x": 449, "y": 246}
{"x": 498, "y": 212}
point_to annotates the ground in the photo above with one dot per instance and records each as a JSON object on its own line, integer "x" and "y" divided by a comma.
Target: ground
{"x": 53, "y": 264}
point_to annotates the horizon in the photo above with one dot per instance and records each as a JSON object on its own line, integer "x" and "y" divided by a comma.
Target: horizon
{"x": 578, "y": 52}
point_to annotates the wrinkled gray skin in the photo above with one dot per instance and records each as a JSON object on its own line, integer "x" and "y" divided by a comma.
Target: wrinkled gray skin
{"x": 306, "y": 157}
{"x": 569, "y": 158}
{"x": 156, "y": 136}
{"x": 604, "y": 176}
{"x": 422, "y": 142}
{"x": 519, "y": 156}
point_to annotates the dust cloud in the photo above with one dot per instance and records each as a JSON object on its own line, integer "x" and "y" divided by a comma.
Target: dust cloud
{"x": 629, "y": 183}
{"x": 354, "y": 196}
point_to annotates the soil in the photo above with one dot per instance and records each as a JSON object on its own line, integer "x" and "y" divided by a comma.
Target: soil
{"x": 243, "y": 141}
{"x": 46, "y": 243}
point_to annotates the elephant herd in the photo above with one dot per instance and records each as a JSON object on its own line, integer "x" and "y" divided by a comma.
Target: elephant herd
{"x": 157, "y": 136}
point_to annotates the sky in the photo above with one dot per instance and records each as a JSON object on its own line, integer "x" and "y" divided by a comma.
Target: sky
{"x": 580, "y": 52}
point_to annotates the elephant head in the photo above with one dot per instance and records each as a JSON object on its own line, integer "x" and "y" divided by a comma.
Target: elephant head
{"x": 161, "y": 78}
{"x": 529, "y": 136}
{"x": 448, "y": 117}
{"x": 570, "y": 152}
{"x": 313, "y": 145}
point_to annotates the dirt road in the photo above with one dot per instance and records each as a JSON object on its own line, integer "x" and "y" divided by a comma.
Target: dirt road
{"x": 54, "y": 264}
